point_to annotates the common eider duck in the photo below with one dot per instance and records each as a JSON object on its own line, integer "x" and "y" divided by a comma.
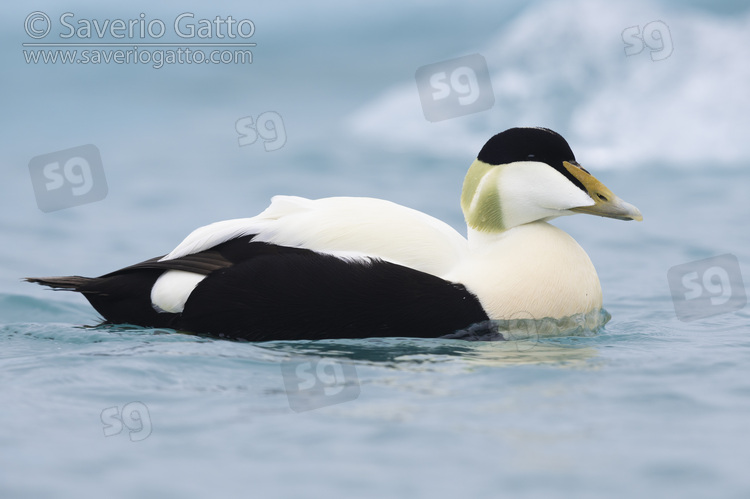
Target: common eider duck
{"x": 355, "y": 267}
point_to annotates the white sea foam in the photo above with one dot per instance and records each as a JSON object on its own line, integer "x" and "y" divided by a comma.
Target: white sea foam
{"x": 563, "y": 65}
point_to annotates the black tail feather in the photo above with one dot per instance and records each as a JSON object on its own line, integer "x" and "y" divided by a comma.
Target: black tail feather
{"x": 67, "y": 283}
{"x": 120, "y": 298}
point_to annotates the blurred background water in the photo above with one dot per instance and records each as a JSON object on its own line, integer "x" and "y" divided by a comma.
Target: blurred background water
{"x": 651, "y": 405}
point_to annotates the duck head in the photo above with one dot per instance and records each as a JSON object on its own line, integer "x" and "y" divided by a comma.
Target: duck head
{"x": 524, "y": 175}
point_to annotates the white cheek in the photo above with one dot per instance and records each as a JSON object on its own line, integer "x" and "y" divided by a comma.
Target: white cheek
{"x": 568, "y": 196}
{"x": 531, "y": 191}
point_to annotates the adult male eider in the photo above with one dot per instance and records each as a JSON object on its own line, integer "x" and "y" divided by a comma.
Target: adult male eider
{"x": 349, "y": 267}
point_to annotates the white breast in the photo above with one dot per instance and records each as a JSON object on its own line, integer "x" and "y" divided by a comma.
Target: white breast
{"x": 531, "y": 271}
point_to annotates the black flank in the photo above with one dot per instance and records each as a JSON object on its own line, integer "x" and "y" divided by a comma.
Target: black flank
{"x": 260, "y": 292}
{"x": 307, "y": 295}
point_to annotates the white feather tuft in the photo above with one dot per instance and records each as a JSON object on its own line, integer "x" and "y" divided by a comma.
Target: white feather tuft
{"x": 172, "y": 289}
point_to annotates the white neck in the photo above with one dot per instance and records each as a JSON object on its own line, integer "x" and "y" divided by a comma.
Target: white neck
{"x": 480, "y": 240}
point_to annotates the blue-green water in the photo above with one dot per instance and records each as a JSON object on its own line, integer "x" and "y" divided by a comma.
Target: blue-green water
{"x": 650, "y": 406}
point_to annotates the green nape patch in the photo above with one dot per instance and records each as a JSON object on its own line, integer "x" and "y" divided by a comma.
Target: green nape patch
{"x": 481, "y": 180}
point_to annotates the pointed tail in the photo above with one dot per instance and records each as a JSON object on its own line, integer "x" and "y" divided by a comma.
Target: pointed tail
{"x": 69, "y": 283}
